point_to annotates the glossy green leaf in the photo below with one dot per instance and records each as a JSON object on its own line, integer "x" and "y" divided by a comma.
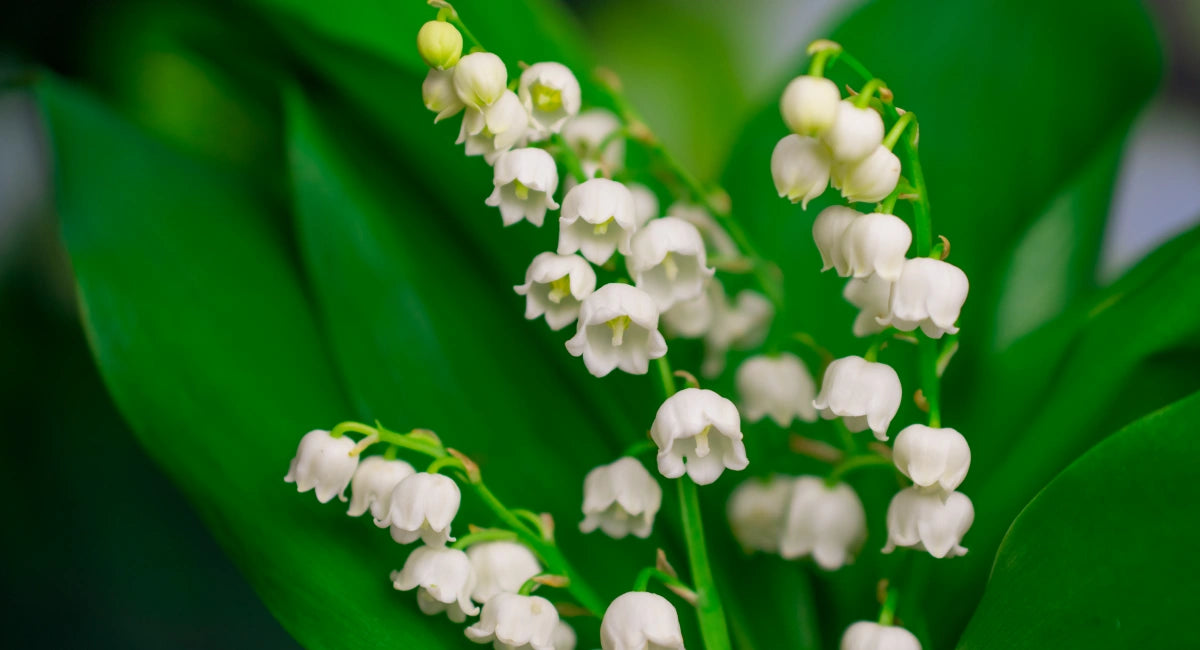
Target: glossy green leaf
{"x": 1093, "y": 561}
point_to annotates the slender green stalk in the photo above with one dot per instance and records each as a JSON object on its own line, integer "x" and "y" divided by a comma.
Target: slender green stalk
{"x": 642, "y": 583}
{"x": 863, "y": 99}
{"x": 856, "y": 462}
{"x": 485, "y": 535}
{"x": 887, "y": 613}
{"x": 569, "y": 159}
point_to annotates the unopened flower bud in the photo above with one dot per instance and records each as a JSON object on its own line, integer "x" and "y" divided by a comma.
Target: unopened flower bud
{"x": 809, "y": 105}
{"x": 702, "y": 427}
{"x": 638, "y": 620}
{"x": 828, "y": 523}
{"x": 555, "y": 285}
{"x": 863, "y": 393}
{"x": 929, "y": 520}
{"x": 928, "y": 294}
{"x": 480, "y": 79}
{"x": 871, "y": 179}
{"x": 668, "y": 261}
{"x": 756, "y": 511}
{"x": 550, "y": 93}
{"x": 869, "y": 635}
{"x": 800, "y": 166}
{"x": 931, "y": 456}
{"x": 618, "y": 328}
{"x": 438, "y": 94}
{"x": 323, "y": 463}
{"x": 514, "y": 621}
{"x": 440, "y": 44}
{"x": 855, "y": 134}
{"x": 829, "y": 229}
{"x": 778, "y": 386}
{"x": 876, "y": 243}
{"x": 524, "y": 181}
{"x": 621, "y": 499}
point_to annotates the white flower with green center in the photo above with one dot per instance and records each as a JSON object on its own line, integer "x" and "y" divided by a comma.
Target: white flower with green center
{"x": 437, "y": 92}
{"x": 869, "y": 635}
{"x": 373, "y": 484}
{"x": 444, "y": 580}
{"x": 928, "y": 294}
{"x": 828, "y": 523}
{"x": 863, "y": 393}
{"x": 592, "y": 129}
{"x": 618, "y": 328}
{"x": 742, "y": 324}
{"x": 524, "y": 182}
{"x": 550, "y": 93}
{"x": 423, "y": 506}
{"x": 869, "y": 180}
{"x": 699, "y": 433}
{"x": 621, "y": 499}
{"x": 876, "y": 243}
{"x": 323, "y": 463}
{"x": 640, "y": 620}
{"x": 516, "y": 622}
{"x": 809, "y": 105}
{"x": 829, "y": 230}
{"x": 871, "y": 296}
{"x": 756, "y": 512}
{"x": 555, "y": 285}
{"x": 501, "y": 567}
{"x": 929, "y": 520}
{"x": 598, "y": 218}
{"x": 494, "y": 129}
{"x": 480, "y": 79}
{"x": 667, "y": 261}
{"x": 855, "y": 134}
{"x": 777, "y": 386}
{"x": 932, "y": 457}
{"x": 800, "y": 166}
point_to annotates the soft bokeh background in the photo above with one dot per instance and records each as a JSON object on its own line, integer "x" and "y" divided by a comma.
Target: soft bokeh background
{"x": 103, "y": 551}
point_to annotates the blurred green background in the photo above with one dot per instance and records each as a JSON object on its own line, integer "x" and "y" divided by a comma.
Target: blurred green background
{"x": 103, "y": 549}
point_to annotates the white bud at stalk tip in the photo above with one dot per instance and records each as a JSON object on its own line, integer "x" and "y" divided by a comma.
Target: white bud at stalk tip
{"x": 869, "y": 180}
{"x": 928, "y": 294}
{"x": 863, "y": 393}
{"x": 809, "y": 105}
{"x": 869, "y": 635}
{"x": 828, "y": 523}
{"x": 323, "y": 463}
{"x": 440, "y": 44}
{"x": 423, "y": 506}
{"x": 829, "y": 230}
{"x": 621, "y": 499}
{"x": 800, "y": 167}
{"x": 876, "y": 243}
{"x": 702, "y": 427}
{"x": 373, "y": 484}
{"x": 929, "y": 520}
{"x": 588, "y": 130}
{"x": 597, "y": 219}
{"x": 855, "y": 134}
{"x": 437, "y": 92}
{"x": 871, "y": 296}
{"x": 494, "y": 129}
{"x": 550, "y": 94}
{"x": 524, "y": 181}
{"x": 445, "y": 578}
{"x": 480, "y": 79}
{"x": 778, "y": 386}
{"x": 516, "y": 622}
{"x": 618, "y": 328}
{"x": 501, "y": 568}
{"x": 930, "y": 456}
{"x": 638, "y": 620}
{"x": 756, "y": 512}
{"x": 667, "y": 261}
{"x": 555, "y": 285}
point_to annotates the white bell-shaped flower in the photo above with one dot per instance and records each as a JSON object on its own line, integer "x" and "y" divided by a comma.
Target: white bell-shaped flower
{"x": 691, "y": 319}
{"x": 621, "y": 499}
{"x": 828, "y": 523}
{"x": 501, "y": 568}
{"x": 550, "y": 93}
{"x": 480, "y": 79}
{"x": 373, "y": 484}
{"x": 800, "y": 166}
{"x": 742, "y": 324}
{"x": 876, "y": 243}
{"x": 871, "y": 296}
{"x": 516, "y": 622}
{"x": 930, "y": 456}
{"x": 494, "y": 129}
{"x": 756, "y": 512}
{"x": 869, "y": 180}
{"x": 618, "y": 328}
{"x": 810, "y": 105}
{"x": 597, "y": 219}
{"x": 667, "y": 260}
{"x": 444, "y": 579}
{"x": 588, "y": 130}
{"x": 869, "y": 635}
{"x": 439, "y": 96}
{"x": 564, "y": 637}
{"x": 423, "y": 506}
{"x": 863, "y": 393}
{"x": 717, "y": 240}
{"x": 640, "y": 620}
{"x": 829, "y": 231}
{"x": 855, "y": 134}
{"x": 524, "y": 180}
{"x": 323, "y": 463}
{"x": 645, "y": 203}
{"x": 929, "y": 294}
{"x": 702, "y": 427}
{"x": 555, "y": 285}
{"x": 778, "y": 386}
{"x": 929, "y": 520}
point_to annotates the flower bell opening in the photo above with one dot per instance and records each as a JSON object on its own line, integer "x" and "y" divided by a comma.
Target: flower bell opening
{"x": 618, "y": 326}
{"x": 545, "y": 98}
{"x": 602, "y": 227}
{"x": 559, "y": 289}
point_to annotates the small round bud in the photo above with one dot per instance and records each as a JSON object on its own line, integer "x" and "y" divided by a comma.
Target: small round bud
{"x": 856, "y": 133}
{"x": 440, "y": 44}
{"x": 809, "y": 105}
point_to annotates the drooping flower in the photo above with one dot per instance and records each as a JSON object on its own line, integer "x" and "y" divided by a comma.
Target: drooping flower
{"x": 800, "y": 167}
{"x": 500, "y": 567}
{"x": 871, "y": 296}
{"x": 855, "y": 133}
{"x": 778, "y": 386}
{"x": 828, "y": 523}
{"x": 869, "y": 635}
{"x": 876, "y": 243}
{"x": 929, "y": 294}
{"x": 869, "y": 180}
{"x": 702, "y": 427}
{"x": 590, "y": 129}
{"x": 718, "y": 241}
{"x": 494, "y": 129}
{"x": 524, "y": 180}
{"x": 692, "y": 319}
{"x": 516, "y": 622}
{"x": 597, "y": 219}
{"x": 437, "y": 91}
{"x": 564, "y": 637}
{"x": 667, "y": 261}
{"x": 444, "y": 579}
{"x": 930, "y": 456}
{"x": 440, "y": 44}
{"x": 810, "y": 105}
{"x": 756, "y": 512}
{"x": 640, "y": 620}
{"x": 480, "y": 79}
{"x": 555, "y": 285}
{"x": 742, "y": 324}
{"x": 550, "y": 93}
{"x": 829, "y": 230}
{"x": 621, "y": 499}
{"x": 373, "y": 483}
{"x": 618, "y": 328}
{"x": 645, "y": 204}
{"x": 929, "y": 520}
{"x": 863, "y": 393}
{"x": 423, "y": 506}
{"x": 323, "y": 463}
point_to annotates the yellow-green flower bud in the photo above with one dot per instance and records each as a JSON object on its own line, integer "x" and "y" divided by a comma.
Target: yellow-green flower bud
{"x": 440, "y": 44}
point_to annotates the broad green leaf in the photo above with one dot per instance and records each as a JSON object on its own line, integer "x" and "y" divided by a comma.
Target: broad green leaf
{"x": 1097, "y": 559}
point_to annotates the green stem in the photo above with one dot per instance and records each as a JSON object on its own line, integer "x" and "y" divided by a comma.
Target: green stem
{"x": 528, "y": 586}
{"x": 569, "y": 159}
{"x": 485, "y": 535}
{"x": 642, "y": 583}
{"x": 665, "y": 376}
{"x": 893, "y": 134}
{"x": 855, "y": 462}
{"x": 817, "y": 67}
{"x": 451, "y": 16}
{"x": 639, "y": 448}
{"x": 441, "y": 463}
{"x": 863, "y": 99}
{"x": 887, "y": 613}
{"x": 849, "y": 444}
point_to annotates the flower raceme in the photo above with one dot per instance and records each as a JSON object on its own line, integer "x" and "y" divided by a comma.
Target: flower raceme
{"x": 516, "y": 622}
{"x": 618, "y": 328}
{"x": 668, "y": 261}
{"x": 639, "y": 620}
{"x": 699, "y": 433}
{"x": 555, "y": 285}
{"x": 863, "y": 393}
{"x": 324, "y": 464}
{"x": 444, "y": 579}
{"x": 524, "y": 181}
{"x": 621, "y": 499}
